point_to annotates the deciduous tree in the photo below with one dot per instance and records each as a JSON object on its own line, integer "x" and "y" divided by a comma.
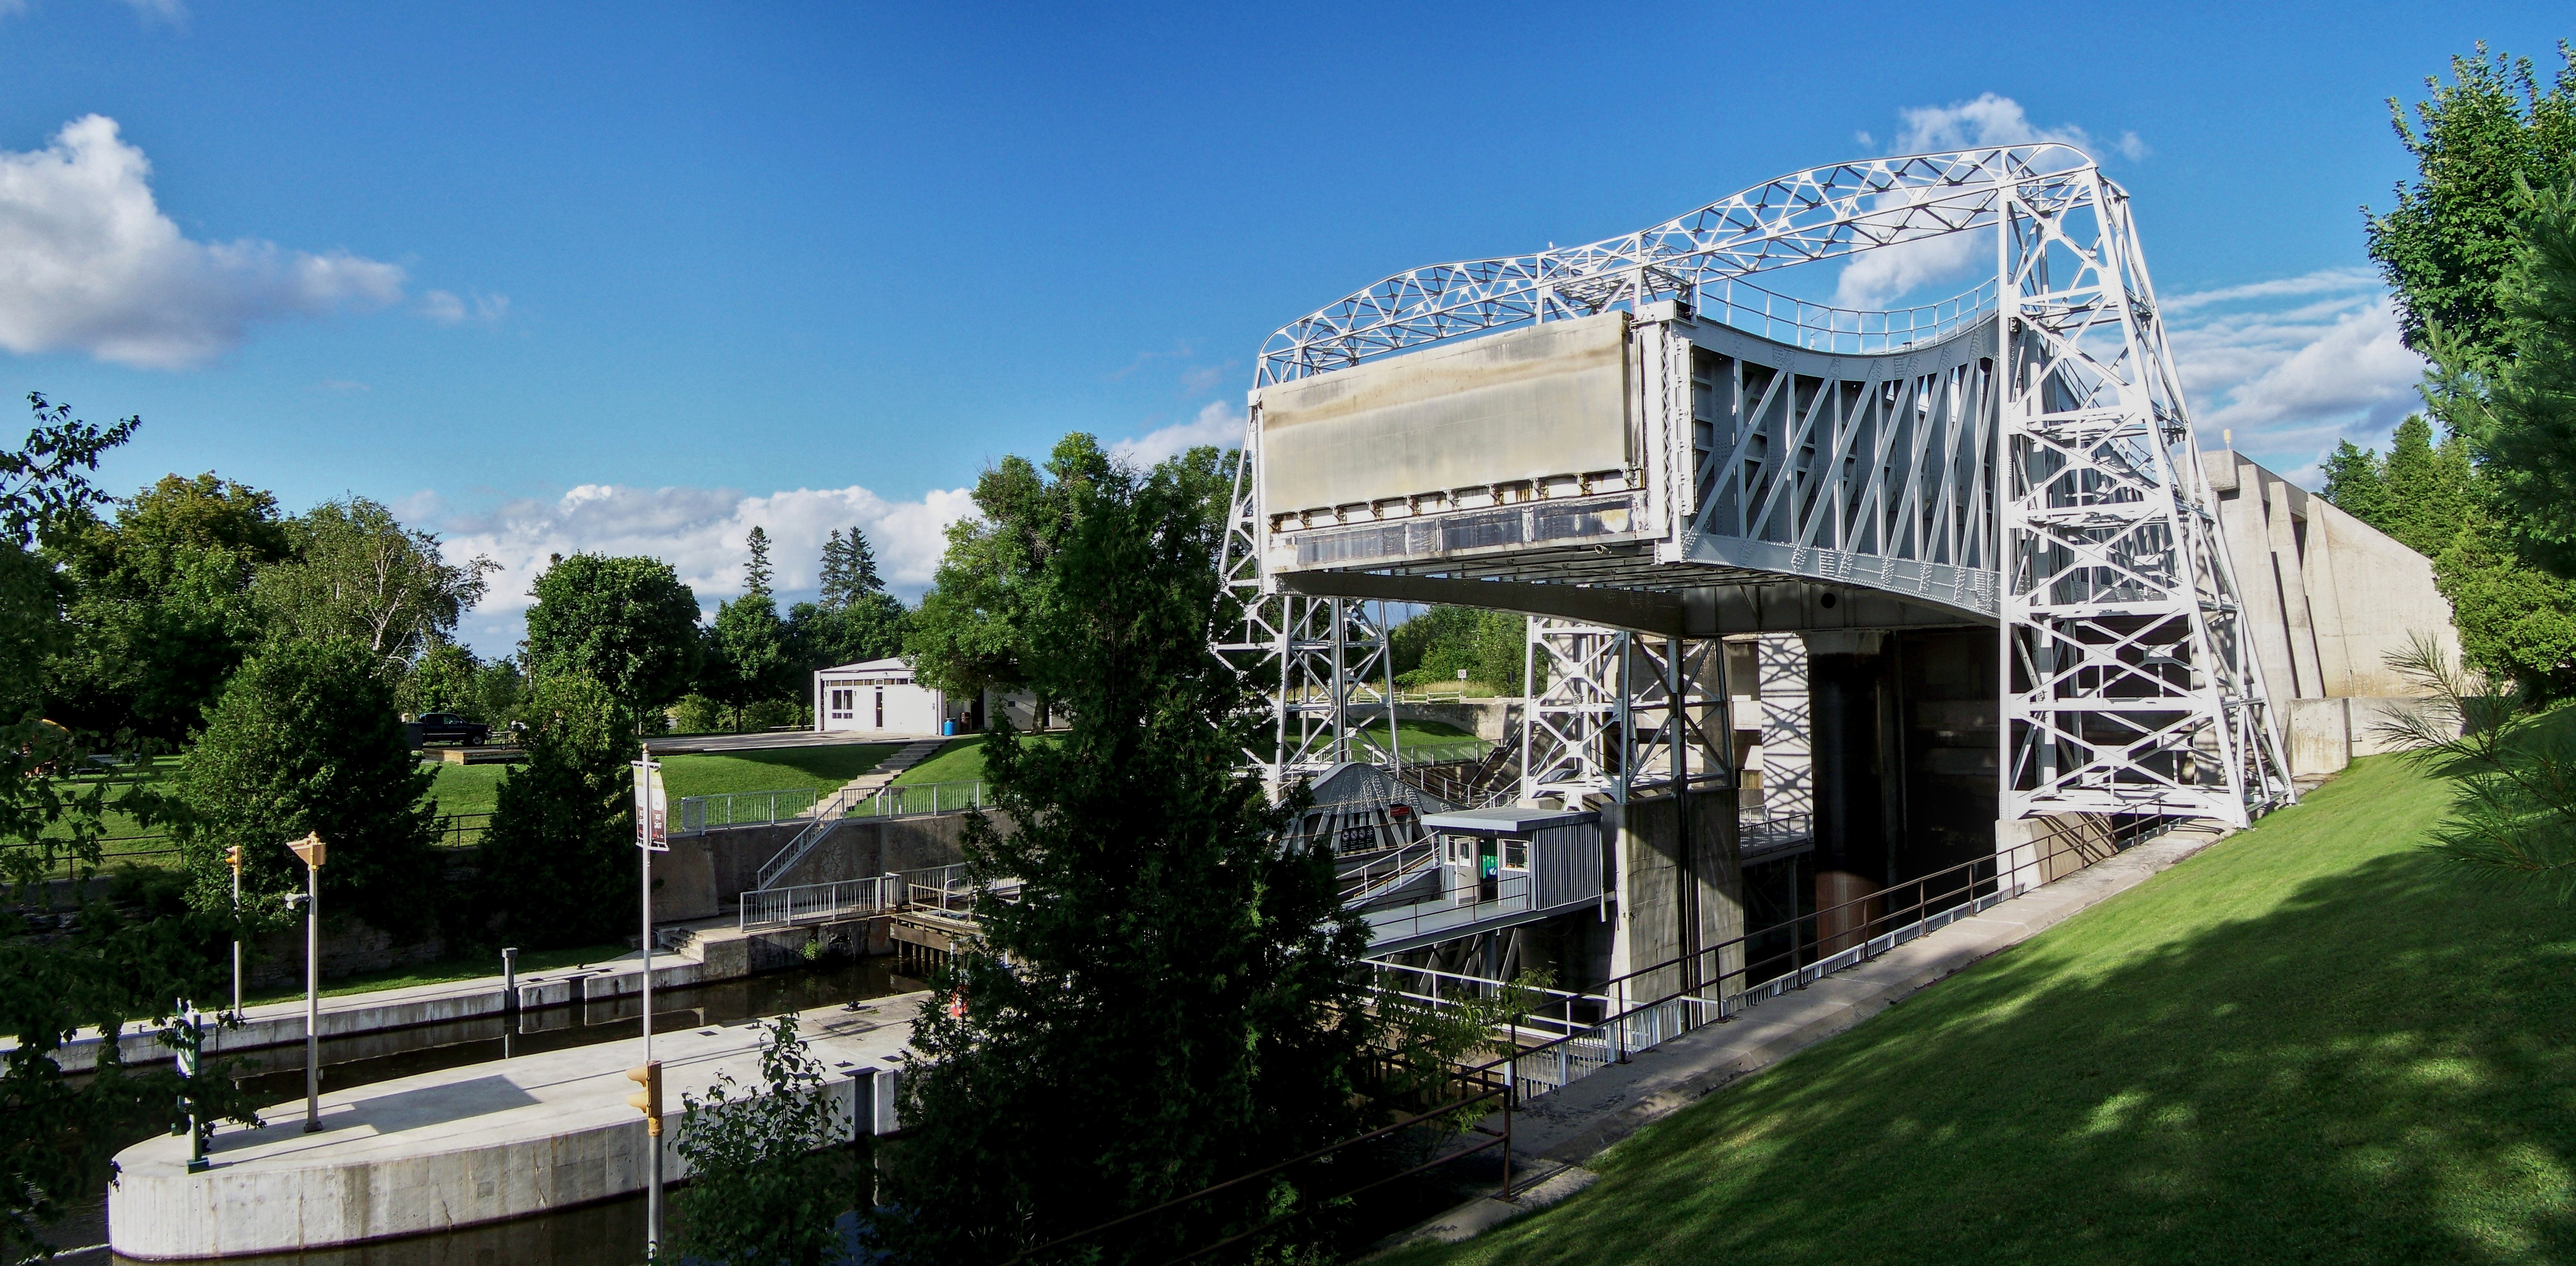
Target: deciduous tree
{"x": 626, "y": 623}
{"x": 355, "y": 572}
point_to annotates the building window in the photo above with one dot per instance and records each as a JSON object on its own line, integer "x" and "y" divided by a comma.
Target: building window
{"x": 842, "y": 701}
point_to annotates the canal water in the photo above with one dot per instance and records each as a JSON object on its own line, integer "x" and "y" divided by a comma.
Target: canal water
{"x": 607, "y": 1234}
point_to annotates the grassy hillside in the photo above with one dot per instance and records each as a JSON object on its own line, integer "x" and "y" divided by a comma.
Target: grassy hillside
{"x": 2312, "y": 1043}
{"x": 472, "y": 788}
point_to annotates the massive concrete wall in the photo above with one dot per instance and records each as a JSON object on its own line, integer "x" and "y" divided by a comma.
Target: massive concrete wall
{"x": 2328, "y": 598}
{"x": 1669, "y": 903}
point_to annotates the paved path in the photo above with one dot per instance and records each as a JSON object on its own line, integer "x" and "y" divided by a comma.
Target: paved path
{"x": 460, "y": 1146}
{"x": 1561, "y": 1130}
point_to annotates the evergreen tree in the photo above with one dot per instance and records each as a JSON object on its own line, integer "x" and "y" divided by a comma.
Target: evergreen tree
{"x": 849, "y": 569}
{"x": 832, "y": 581}
{"x": 305, "y": 737}
{"x": 757, "y": 572}
{"x": 558, "y": 861}
{"x": 1170, "y": 1000}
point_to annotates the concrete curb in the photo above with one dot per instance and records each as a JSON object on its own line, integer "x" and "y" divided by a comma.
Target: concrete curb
{"x": 1575, "y": 1124}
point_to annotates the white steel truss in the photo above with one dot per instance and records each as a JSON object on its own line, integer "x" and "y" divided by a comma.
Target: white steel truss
{"x": 1610, "y": 712}
{"x": 2129, "y": 682}
{"x": 2021, "y": 454}
{"x": 1321, "y": 664}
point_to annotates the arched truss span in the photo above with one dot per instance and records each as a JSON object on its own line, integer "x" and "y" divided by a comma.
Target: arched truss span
{"x": 2021, "y": 455}
{"x": 1796, "y": 219}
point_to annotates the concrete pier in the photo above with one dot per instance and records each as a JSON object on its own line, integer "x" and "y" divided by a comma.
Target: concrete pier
{"x": 471, "y": 1145}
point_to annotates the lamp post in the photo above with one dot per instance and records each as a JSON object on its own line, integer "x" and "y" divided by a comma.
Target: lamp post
{"x": 309, "y": 851}
{"x": 233, "y": 858}
{"x": 652, "y": 835}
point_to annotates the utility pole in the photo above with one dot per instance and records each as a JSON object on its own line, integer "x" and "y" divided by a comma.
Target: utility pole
{"x": 309, "y": 850}
{"x": 652, "y": 835}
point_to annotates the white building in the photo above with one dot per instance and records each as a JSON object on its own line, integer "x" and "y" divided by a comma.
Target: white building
{"x": 878, "y": 697}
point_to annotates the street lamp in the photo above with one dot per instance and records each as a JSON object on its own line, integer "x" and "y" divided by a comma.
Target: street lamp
{"x": 233, "y": 858}
{"x": 309, "y": 851}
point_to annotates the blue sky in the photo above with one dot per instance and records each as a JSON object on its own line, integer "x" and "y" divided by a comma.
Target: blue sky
{"x": 636, "y": 277}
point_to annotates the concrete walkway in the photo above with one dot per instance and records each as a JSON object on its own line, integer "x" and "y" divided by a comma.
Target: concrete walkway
{"x": 1559, "y": 1131}
{"x": 769, "y": 740}
{"x": 461, "y": 1146}
{"x": 270, "y": 1024}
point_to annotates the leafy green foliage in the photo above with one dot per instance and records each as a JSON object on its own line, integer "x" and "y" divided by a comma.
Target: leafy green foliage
{"x": 2518, "y": 408}
{"x": 306, "y": 738}
{"x": 746, "y": 659}
{"x": 58, "y": 1133}
{"x": 1170, "y": 1000}
{"x": 444, "y": 679}
{"x": 558, "y": 859}
{"x": 768, "y": 1178}
{"x": 2468, "y": 252}
{"x": 1430, "y": 648}
{"x": 160, "y": 604}
{"x": 2514, "y": 772}
{"x": 353, "y": 572}
{"x": 2446, "y": 245}
{"x": 970, "y": 633}
{"x": 626, "y": 623}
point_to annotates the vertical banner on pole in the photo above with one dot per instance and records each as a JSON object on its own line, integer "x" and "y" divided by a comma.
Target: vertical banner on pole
{"x": 652, "y": 808}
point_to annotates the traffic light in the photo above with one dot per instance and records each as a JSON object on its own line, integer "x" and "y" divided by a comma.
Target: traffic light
{"x": 648, "y": 1100}
{"x": 232, "y": 858}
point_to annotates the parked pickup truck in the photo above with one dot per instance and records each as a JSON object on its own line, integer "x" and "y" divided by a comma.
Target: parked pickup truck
{"x": 447, "y": 727}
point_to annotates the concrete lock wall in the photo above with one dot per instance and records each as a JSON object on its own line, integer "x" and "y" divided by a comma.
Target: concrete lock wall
{"x": 2327, "y": 597}
{"x": 1664, "y": 911}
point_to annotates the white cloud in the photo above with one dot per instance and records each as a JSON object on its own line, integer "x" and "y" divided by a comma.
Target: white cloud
{"x": 89, "y": 263}
{"x": 1987, "y": 120}
{"x": 700, "y": 532}
{"x": 2290, "y": 380}
{"x": 446, "y": 308}
{"x": 1874, "y": 278}
{"x": 1217, "y": 423}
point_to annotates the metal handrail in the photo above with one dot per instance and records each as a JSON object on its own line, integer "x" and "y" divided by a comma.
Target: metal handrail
{"x": 698, "y": 815}
{"x": 904, "y": 800}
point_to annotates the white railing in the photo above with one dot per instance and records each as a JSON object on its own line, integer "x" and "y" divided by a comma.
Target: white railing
{"x": 1633, "y": 1025}
{"x": 827, "y": 816}
{"x": 817, "y": 903}
{"x": 724, "y": 811}
{"x": 905, "y": 800}
{"x": 1380, "y": 875}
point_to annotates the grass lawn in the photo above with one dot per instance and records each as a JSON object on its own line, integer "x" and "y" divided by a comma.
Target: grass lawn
{"x": 1419, "y": 733}
{"x": 442, "y": 971}
{"x": 2312, "y": 1043}
{"x": 473, "y": 788}
{"x": 957, "y": 760}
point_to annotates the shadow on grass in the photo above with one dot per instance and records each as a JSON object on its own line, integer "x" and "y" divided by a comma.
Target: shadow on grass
{"x": 2371, "y": 1064}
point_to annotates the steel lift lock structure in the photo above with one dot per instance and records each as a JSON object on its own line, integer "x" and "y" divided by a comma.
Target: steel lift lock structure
{"x": 1647, "y": 452}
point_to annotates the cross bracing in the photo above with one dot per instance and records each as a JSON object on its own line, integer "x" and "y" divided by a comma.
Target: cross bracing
{"x": 2019, "y": 456}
